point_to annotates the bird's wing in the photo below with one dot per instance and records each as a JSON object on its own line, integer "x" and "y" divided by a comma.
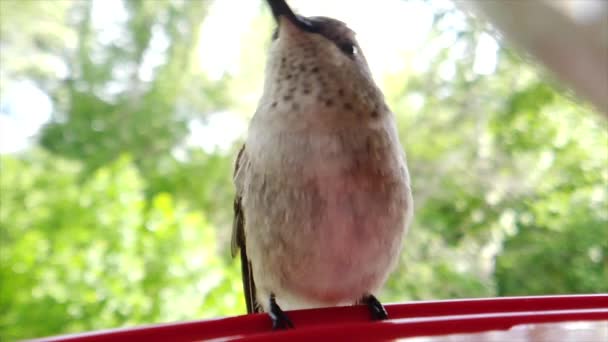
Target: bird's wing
{"x": 238, "y": 242}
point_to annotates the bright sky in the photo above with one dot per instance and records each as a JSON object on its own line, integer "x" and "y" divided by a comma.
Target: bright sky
{"x": 385, "y": 31}
{"x": 388, "y": 30}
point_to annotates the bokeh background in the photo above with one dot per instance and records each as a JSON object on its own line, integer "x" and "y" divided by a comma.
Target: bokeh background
{"x": 120, "y": 120}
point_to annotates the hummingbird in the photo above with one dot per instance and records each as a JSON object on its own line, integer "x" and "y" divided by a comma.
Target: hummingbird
{"x": 323, "y": 197}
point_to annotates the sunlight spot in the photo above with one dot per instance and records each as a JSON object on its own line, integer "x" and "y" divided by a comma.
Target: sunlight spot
{"x": 221, "y": 34}
{"x": 485, "y": 55}
{"x": 155, "y": 55}
{"x": 219, "y": 131}
{"x": 23, "y": 110}
{"x": 107, "y": 18}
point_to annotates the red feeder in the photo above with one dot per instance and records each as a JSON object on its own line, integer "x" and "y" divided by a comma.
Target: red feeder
{"x": 544, "y": 318}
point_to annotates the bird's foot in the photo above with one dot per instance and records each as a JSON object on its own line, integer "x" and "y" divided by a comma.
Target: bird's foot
{"x": 279, "y": 318}
{"x": 376, "y": 309}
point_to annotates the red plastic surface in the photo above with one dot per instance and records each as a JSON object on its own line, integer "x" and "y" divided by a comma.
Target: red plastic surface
{"x": 413, "y": 319}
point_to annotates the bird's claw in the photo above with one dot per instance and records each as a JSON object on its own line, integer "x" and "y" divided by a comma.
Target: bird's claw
{"x": 279, "y": 318}
{"x": 376, "y": 309}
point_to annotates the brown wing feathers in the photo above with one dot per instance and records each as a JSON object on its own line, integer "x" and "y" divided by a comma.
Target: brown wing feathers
{"x": 238, "y": 243}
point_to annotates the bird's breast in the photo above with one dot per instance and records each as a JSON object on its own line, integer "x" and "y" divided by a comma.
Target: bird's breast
{"x": 326, "y": 209}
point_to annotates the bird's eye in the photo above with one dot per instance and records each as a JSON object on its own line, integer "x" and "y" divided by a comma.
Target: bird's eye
{"x": 275, "y": 34}
{"x": 348, "y": 48}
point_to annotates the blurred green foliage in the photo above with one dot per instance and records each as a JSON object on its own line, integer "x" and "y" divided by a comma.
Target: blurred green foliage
{"x": 104, "y": 225}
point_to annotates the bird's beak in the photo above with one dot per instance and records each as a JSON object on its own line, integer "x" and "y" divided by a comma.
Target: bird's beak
{"x": 280, "y": 9}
